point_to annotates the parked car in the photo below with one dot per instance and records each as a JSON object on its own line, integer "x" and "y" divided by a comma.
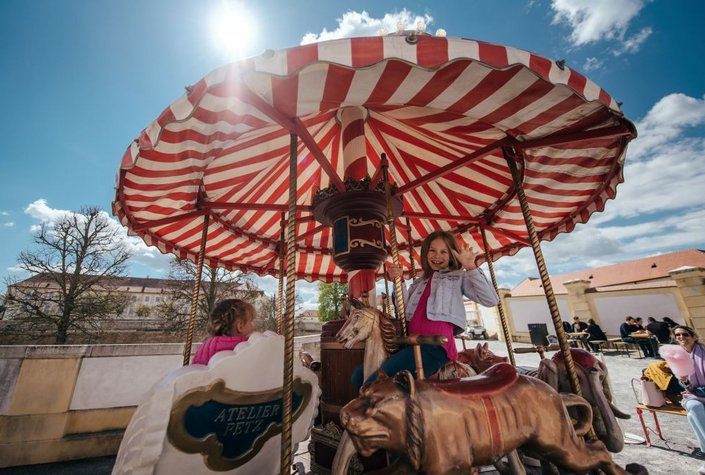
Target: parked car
{"x": 476, "y": 331}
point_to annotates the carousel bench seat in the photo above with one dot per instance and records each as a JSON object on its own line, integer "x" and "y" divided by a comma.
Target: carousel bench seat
{"x": 225, "y": 416}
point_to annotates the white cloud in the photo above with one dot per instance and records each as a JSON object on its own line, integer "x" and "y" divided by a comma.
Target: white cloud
{"x": 659, "y": 207}
{"x": 632, "y": 44}
{"x": 39, "y": 209}
{"x": 4, "y": 213}
{"x": 353, "y": 24}
{"x": 592, "y": 64}
{"x": 597, "y": 20}
{"x": 9, "y": 224}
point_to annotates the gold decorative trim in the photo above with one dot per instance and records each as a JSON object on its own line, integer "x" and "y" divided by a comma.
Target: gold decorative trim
{"x": 211, "y": 447}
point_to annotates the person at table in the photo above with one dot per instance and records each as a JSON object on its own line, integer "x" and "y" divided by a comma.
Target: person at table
{"x": 694, "y": 396}
{"x": 567, "y": 327}
{"x": 594, "y": 333}
{"x": 660, "y": 330}
{"x": 639, "y": 322}
{"x": 578, "y": 325}
{"x": 625, "y": 332}
{"x": 671, "y": 324}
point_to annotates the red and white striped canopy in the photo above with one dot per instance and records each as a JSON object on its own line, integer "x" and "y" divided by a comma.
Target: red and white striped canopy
{"x": 439, "y": 108}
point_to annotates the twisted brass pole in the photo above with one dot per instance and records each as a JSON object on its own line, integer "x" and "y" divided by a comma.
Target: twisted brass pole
{"x": 500, "y": 309}
{"x": 388, "y": 298}
{"x": 280, "y": 286}
{"x": 412, "y": 262}
{"x": 196, "y": 291}
{"x": 510, "y": 156}
{"x": 288, "y": 326}
{"x": 398, "y": 281}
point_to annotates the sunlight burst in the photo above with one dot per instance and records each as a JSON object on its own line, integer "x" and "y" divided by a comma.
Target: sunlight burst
{"x": 232, "y": 29}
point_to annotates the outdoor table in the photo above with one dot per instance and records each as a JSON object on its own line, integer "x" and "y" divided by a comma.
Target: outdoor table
{"x": 580, "y": 338}
{"x": 642, "y": 335}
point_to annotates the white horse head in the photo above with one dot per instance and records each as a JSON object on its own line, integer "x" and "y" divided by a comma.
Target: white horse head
{"x": 360, "y": 325}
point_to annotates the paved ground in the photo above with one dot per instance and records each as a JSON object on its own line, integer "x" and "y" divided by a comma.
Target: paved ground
{"x": 664, "y": 457}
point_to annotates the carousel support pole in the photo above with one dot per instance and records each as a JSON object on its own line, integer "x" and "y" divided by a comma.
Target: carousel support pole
{"x": 387, "y": 298}
{"x": 412, "y": 261}
{"x": 502, "y": 317}
{"x": 196, "y": 291}
{"x": 288, "y": 322}
{"x": 399, "y": 297}
{"x": 511, "y": 156}
{"x": 280, "y": 287}
{"x": 352, "y": 129}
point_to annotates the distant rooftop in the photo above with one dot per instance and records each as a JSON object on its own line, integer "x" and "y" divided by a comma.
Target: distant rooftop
{"x": 631, "y": 274}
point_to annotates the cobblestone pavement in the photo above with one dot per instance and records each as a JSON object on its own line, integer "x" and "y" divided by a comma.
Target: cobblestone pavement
{"x": 663, "y": 457}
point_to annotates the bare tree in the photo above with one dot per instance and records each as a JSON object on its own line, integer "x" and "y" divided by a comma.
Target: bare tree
{"x": 267, "y": 314}
{"x": 216, "y": 284}
{"x": 72, "y": 268}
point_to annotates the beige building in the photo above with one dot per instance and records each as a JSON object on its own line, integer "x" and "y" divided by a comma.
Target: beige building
{"x": 669, "y": 285}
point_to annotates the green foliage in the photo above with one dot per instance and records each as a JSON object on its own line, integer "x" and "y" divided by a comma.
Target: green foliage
{"x": 143, "y": 311}
{"x": 330, "y": 302}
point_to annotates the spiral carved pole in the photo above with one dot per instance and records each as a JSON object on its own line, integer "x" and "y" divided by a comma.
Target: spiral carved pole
{"x": 288, "y": 322}
{"x": 502, "y": 317}
{"x": 280, "y": 286}
{"x": 399, "y": 297}
{"x": 196, "y": 291}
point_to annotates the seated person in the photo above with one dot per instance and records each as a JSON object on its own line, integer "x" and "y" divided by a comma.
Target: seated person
{"x": 567, "y": 327}
{"x": 660, "y": 330}
{"x": 230, "y": 323}
{"x": 627, "y": 328}
{"x": 594, "y": 333}
{"x": 578, "y": 325}
{"x": 639, "y": 323}
{"x": 694, "y": 396}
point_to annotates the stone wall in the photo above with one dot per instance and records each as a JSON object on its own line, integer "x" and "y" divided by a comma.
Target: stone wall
{"x": 74, "y": 401}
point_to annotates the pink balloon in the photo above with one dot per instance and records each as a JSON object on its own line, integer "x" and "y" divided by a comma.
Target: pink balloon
{"x": 678, "y": 359}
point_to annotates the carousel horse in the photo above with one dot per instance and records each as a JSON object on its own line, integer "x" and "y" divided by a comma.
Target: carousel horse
{"x": 377, "y": 330}
{"x": 451, "y": 427}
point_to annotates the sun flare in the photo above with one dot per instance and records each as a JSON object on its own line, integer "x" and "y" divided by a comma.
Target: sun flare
{"x": 232, "y": 29}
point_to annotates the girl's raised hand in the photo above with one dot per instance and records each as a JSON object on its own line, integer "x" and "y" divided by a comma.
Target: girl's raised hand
{"x": 466, "y": 256}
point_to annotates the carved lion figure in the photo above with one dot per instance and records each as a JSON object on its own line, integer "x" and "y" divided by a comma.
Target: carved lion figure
{"x": 450, "y": 427}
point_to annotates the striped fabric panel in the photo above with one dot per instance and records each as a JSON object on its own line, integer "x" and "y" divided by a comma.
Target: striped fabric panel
{"x": 225, "y": 144}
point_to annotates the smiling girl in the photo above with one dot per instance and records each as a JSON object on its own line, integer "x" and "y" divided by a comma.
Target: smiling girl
{"x": 435, "y": 303}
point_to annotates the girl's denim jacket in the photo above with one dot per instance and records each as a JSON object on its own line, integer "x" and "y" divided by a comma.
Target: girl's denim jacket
{"x": 445, "y": 303}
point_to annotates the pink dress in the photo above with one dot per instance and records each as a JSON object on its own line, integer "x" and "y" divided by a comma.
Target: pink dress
{"x": 215, "y": 344}
{"x": 421, "y": 325}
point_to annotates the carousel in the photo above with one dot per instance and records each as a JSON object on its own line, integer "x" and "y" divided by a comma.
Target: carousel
{"x": 331, "y": 161}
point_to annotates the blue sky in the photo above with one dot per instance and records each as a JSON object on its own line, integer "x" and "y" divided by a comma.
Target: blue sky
{"x": 81, "y": 78}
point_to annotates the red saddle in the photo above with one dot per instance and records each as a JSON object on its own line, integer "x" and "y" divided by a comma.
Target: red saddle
{"x": 581, "y": 357}
{"x": 494, "y": 380}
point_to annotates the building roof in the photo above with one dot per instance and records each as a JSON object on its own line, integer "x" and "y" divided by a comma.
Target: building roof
{"x": 619, "y": 276}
